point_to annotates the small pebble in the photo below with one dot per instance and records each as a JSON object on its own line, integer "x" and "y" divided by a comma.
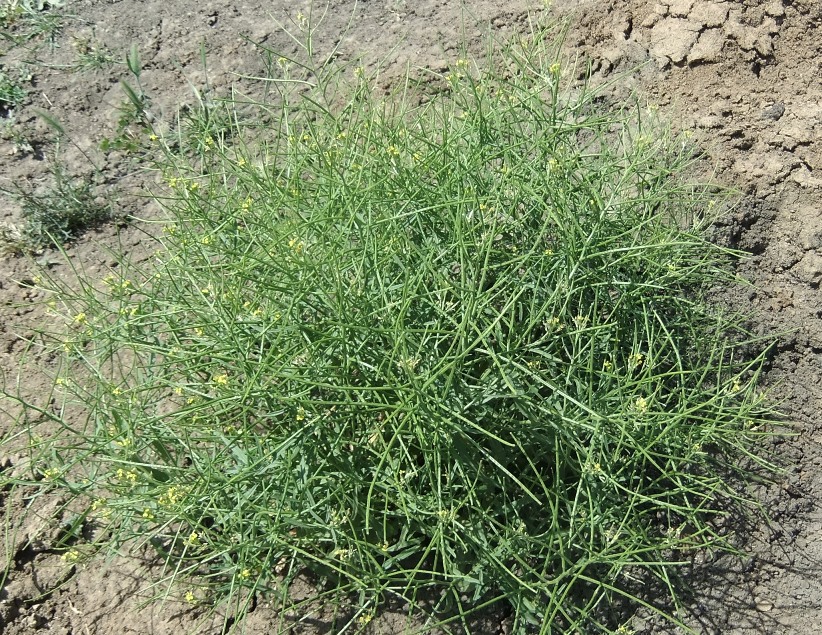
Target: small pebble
{"x": 774, "y": 112}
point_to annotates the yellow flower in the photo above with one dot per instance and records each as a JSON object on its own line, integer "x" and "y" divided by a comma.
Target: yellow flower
{"x": 71, "y": 556}
{"x": 51, "y": 474}
{"x": 393, "y": 150}
{"x": 173, "y": 495}
{"x": 129, "y": 476}
{"x": 555, "y": 323}
{"x": 193, "y": 187}
{"x": 300, "y": 414}
{"x": 193, "y": 539}
{"x": 80, "y": 318}
{"x": 593, "y": 468}
{"x": 221, "y": 380}
{"x": 635, "y": 360}
{"x": 245, "y": 574}
{"x": 97, "y": 504}
{"x": 554, "y": 68}
{"x": 148, "y": 514}
{"x": 641, "y": 404}
{"x": 190, "y": 598}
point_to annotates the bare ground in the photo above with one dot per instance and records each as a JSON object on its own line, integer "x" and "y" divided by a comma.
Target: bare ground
{"x": 743, "y": 76}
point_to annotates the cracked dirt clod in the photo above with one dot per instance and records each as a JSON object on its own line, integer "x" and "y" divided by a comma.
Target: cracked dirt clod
{"x": 709, "y": 14}
{"x": 680, "y": 8}
{"x": 708, "y": 48}
{"x": 673, "y": 38}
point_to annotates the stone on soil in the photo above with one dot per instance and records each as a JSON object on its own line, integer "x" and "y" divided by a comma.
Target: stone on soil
{"x": 809, "y": 269}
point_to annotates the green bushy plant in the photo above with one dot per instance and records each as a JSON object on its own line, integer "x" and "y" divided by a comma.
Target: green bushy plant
{"x": 56, "y": 215}
{"x": 23, "y": 22}
{"x": 454, "y": 349}
{"x": 12, "y": 92}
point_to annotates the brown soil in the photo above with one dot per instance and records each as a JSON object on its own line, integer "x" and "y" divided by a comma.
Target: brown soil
{"x": 742, "y": 75}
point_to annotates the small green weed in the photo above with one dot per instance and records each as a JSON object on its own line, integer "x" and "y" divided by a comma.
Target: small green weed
{"x": 24, "y": 21}
{"x": 91, "y": 55}
{"x": 12, "y": 91}
{"x": 56, "y": 216}
{"x": 450, "y": 355}
{"x": 134, "y": 122}
{"x": 10, "y": 131}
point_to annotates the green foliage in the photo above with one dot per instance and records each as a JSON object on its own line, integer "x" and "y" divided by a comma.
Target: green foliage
{"x": 12, "y": 92}
{"x": 55, "y": 216}
{"x": 134, "y": 122}
{"x": 91, "y": 55}
{"x": 454, "y": 350}
{"x": 24, "y": 21}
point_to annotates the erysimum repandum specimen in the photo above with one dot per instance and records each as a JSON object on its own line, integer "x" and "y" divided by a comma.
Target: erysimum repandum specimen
{"x": 448, "y": 352}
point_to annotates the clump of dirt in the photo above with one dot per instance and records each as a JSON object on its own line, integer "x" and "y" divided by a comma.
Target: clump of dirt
{"x": 741, "y": 76}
